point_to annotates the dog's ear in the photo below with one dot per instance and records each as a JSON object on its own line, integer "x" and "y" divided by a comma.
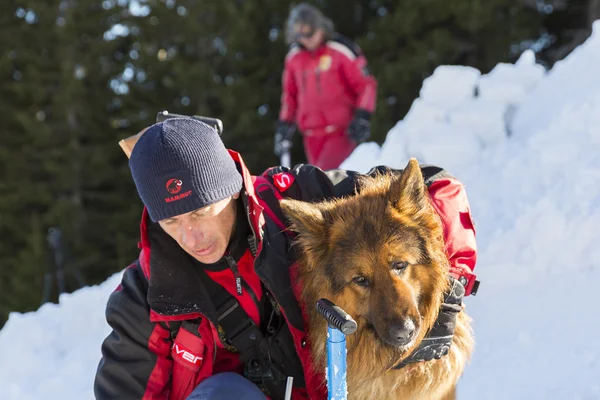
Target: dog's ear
{"x": 408, "y": 194}
{"x": 306, "y": 218}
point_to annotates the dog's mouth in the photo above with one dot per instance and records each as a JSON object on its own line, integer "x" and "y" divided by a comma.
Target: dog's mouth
{"x": 404, "y": 347}
{"x": 400, "y": 345}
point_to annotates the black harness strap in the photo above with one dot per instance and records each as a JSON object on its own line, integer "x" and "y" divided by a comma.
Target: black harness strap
{"x": 267, "y": 360}
{"x": 190, "y": 325}
{"x": 235, "y": 326}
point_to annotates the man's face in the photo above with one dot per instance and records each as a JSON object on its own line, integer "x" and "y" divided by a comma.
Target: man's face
{"x": 308, "y": 37}
{"x": 204, "y": 233}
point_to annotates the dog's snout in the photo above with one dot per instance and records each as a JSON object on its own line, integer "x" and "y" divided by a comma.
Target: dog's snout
{"x": 403, "y": 332}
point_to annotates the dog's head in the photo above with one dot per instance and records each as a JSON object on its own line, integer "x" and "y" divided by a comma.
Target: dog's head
{"x": 379, "y": 255}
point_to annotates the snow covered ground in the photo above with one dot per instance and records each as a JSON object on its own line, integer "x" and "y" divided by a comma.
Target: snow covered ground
{"x": 527, "y": 145}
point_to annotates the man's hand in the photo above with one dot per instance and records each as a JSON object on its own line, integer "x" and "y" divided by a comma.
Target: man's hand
{"x": 360, "y": 127}
{"x": 437, "y": 342}
{"x": 283, "y": 137}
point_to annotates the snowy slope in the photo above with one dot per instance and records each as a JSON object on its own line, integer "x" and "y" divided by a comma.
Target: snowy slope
{"x": 536, "y": 202}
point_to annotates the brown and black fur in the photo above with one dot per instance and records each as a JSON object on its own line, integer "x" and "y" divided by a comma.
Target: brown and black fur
{"x": 352, "y": 252}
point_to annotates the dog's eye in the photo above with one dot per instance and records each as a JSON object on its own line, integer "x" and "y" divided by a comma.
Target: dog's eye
{"x": 361, "y": 281}
{"x": 399, "y": 265}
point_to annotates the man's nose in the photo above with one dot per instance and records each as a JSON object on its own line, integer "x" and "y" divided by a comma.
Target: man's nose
{"x": 191, "y": 235}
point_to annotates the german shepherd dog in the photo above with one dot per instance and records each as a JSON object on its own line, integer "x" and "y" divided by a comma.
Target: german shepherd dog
{"x": 379, "y": 255}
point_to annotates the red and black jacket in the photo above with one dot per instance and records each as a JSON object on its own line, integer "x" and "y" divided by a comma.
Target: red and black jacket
{"x": 323, "y": 88}
{"x": 141, "y": 360}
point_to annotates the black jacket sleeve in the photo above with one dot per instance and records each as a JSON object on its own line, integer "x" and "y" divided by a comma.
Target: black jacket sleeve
{"x": 129, "y": 353}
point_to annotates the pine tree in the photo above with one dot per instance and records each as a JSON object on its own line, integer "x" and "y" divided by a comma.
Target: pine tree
{"x": 24, "y": 70}
{"x": 57, "y": 167}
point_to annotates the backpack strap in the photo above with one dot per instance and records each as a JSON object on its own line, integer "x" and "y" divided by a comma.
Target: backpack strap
{"x": 268, "y": 197}
{"x": 238, "y": 332}
{"x": 236, "y": 329}
{"x": 190, "y": 325}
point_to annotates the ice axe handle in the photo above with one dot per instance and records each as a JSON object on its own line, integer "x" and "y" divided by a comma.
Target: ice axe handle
{"x": 215, "y": 123}
{"x": 336, "y": 317}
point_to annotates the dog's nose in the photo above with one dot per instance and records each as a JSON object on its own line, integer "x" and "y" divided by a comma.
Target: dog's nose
{"x": 402, "y": 332}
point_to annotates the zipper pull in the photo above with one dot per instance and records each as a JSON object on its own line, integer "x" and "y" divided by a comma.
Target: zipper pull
{"x": 236, "y": 273}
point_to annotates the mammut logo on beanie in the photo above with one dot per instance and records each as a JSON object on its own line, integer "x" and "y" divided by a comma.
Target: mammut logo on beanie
{"x": 178, "y": 197}
{"x": 174, "y": 185}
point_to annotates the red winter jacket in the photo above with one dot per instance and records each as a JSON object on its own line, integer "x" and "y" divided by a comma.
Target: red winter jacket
{"x": 139, "y": 359}
{"x": 322, "y": 88}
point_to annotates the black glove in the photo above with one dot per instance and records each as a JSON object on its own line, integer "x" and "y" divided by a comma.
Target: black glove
{"x": 283, "y": 137}
{"x": 437, "y": 342}
{"x": 360, "y": 127}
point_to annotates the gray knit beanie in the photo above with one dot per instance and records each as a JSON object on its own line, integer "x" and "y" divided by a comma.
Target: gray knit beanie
{"x": 180, "y": 165}
{"x": 307, "y": 14}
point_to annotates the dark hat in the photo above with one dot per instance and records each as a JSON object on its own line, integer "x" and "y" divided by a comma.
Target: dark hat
{"x": 180, "y": 165}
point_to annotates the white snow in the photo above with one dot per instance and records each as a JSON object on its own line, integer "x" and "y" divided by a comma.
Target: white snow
{"x": 53, "y": 353}
{"x": 535, "y": 197}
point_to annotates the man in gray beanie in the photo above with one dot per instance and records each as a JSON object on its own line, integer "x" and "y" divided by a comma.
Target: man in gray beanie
{"x": 206, "y": 311}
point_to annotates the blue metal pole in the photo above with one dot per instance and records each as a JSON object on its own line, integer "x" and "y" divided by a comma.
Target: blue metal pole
{"x": 336, "y": 364}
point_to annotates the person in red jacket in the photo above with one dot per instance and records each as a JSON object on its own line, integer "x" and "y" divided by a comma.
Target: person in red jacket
{"x": 206, "y": 311}
{"x": 328, "y": 92}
